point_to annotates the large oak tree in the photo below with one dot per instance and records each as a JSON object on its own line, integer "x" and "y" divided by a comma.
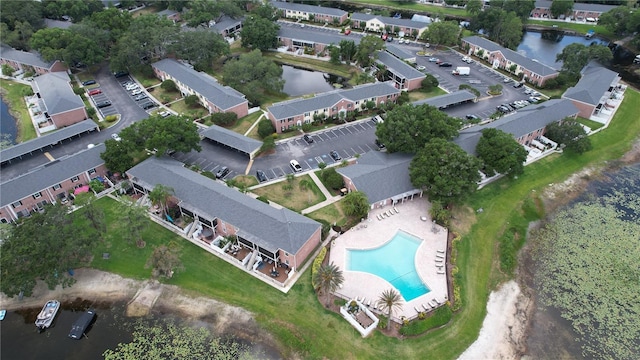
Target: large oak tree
{"x": 253, "y": 75}
{"x": 500, "y": 153}
{"x": 446, "y": 172}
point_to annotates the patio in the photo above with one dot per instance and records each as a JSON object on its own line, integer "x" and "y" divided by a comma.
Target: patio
{"x": 413, "y": 218}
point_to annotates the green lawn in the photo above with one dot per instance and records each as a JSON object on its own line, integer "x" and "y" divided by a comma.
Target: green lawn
{"x": 419, "y": 95}
{"x": 12, "y": 94}
{"x": 332, "y": 214}
{"x": 412, "y": 5}
{"x": 194, "y": 112}
{"x": 303, "y": 327}
{"x": 243, "y": 124}
{"x": 594, "y": 125}
{"x": 295, "y": 198}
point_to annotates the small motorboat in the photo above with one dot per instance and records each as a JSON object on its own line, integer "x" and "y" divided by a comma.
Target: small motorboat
{"x": 48, "y": 313}
{"x": 81, "y": 325}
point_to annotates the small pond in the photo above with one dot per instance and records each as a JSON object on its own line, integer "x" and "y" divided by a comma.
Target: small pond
{"x": 302, "y": 82}
{"x": 544, "y": 46}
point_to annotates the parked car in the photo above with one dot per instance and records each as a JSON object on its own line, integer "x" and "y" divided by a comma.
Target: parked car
{"x": 164, "y": 114}
{"x": 389, "y": 39}
{"x": 467, "y": 59}
{"x": 445, "y": 64}
{"x": 88, "y": 82}
{"x": 222, "y": 172}
{"x": 148, "y": 105}
{"x": 506, "y": 80}
{"x": 94, "y": 92}
{"x": 528, "y": 91}
{"x": 131, "y": 87}
{"x": 472, "y": 117}
{"x": 262, "y": 177}
{"x": 295, "y": 165}
{"x": 533, "y": 99}
{"x": 116, "y": 137}
{"x": 378, "y": 119}
{"x": 335, "y": 156}
{"x": 435, "y": 60}
{"x": 518, "y": 85}
{"x": 120, "y": 74}
{"x": 103, "y": 104}
{"x": 140, "y": 97}
{"x": 308, "y": 139}
{"x": 136, "y": 92}
{"x": 380, "y": 145}
{"x": 421, "y": 68}
{"x": 347, "y": 31}
{"x": 439, "y": 61}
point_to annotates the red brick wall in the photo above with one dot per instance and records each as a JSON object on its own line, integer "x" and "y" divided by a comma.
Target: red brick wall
{"x": 585, "y": 110}
{"x": 69, "y": 118}
{"x": 296, "y": 260}
{"x": 413, "y": 84}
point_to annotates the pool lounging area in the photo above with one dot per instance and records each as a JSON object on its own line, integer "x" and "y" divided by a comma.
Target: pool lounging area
{"x": 419, "y": 247}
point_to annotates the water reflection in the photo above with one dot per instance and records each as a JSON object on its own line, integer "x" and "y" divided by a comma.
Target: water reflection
{"x": 544, "y": 46}
{"x": 8, "y": 129}
{"x": 302, "y": 82}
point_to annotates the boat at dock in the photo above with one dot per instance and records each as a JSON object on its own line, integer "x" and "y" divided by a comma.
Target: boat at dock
{"x": 48, "y": 313}
{"x": 81, "y": 325}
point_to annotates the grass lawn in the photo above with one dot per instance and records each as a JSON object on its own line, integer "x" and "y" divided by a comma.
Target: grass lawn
{"x": 243, "y": 124}
{"x": 333, "y": 214}
{"x": 296, "y": 198}
{"x": 12, "y": 94}
{"x": 165, "y": 96}
{"x": 581, "y": 29}
{"x": 412, "y": 5}
{"x": 194, "y": 112}
{"x": 419, "y": 95}
{"x": 593, "y": 125}
{"x": 247, "y": 180}
{"x": 298, "y": 321}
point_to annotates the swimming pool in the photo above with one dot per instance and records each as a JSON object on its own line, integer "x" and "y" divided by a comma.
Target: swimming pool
{"x": 394, "y": 262}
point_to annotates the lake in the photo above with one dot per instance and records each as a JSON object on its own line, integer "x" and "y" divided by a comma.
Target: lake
{"x": 303, "y": 82}
{"x": 534, "y": 46}
{"x": 7, "y": 124}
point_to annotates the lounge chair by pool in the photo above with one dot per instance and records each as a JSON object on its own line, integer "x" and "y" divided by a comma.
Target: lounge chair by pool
{"x": 396, "y": 210}
{"x": 440, "y": 256}
{"x": 440, "y": 251}
{"x": 426, "y": 308}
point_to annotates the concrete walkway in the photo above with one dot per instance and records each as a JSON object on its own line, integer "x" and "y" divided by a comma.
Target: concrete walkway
{"x": 330, "y": 198}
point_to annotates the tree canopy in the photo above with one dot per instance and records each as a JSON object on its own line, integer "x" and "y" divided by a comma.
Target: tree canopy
{"x": 561, "y": 7}
{"x": 570, "y": 133}
{"x": 446, "y": 172}
{"x": 500, "y": 153}
{"x": 621, "y": 20}
{"x": 254, "y": 75}
{"x": 576, "y": 56}
{"x": 442, "y": 33}
{"x": 588, "y": 269}
{"x": 259, "y": 33}
{"x": 44, "y": 247}
{"x": 68, "y": 45}
{"x": 356, "y": 204}
{"x": 521, "y": 8}
{"x": 501, "y": 26}
{"x": 407, "y": 128}
{"x": 18, "y": 21}
{"x": 367, "y": 50}
{"x": 200, "y": 47}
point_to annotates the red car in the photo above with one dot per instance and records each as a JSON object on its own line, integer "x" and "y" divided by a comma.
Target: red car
{"x": 95, "y": 92}
{"x": 347, "y": 32}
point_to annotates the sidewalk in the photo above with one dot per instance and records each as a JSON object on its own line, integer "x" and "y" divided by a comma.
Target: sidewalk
{"x": 330, "y": 198}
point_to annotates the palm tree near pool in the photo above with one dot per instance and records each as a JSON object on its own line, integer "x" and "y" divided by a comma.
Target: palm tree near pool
{"x": 160, "y": 195}
{"x": 328, "y": 278}
{"x": 390, "y": 300}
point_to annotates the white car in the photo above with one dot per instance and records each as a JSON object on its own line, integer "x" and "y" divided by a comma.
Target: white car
{"x": 295, "y": 165}
{"x": 421, "y": 68}
{"x": 116, "y": 137}
{"x": 131, "y": 87}
{"x": 136, "y": 92}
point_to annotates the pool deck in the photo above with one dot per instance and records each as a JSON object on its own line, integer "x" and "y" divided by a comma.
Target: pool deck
{"x": 373, "y": 233}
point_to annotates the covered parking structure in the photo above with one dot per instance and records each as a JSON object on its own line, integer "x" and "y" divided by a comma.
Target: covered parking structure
{"x": 447, "y": 100}
{"x": 27, "y": 148}
{"x": 232, "y": 140}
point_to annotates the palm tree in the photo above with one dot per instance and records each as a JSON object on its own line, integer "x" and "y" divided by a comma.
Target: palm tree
{"x": 390, "y": 300}
{"x": 160, "y": 195}
{"x": 328, "y": 279}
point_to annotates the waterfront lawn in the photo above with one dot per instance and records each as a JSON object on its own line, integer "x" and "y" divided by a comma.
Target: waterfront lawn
{"x": 415, "y": 6}
{"x": 302, "y": 326}
{"x": 581, "y": 29}
{"x": 295, "y": 198}
{"x": 13, "y": 95}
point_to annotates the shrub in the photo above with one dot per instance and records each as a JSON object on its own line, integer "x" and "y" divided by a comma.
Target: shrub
{"x": 325, "y": 228}
{"x": 429, "y": 83}
{"x": 191, "y": 100}
{"x": 265, "y": 128}
{"x": 382, "y": 324}
{"x": 440, "y": 214}
{"x": 470, "y": 88}
{"x": 263, "y": 199}
{"x": 91, "y": 111}
{"x": 224, "y": 119}
{"x": 317, "y": 262}
{"x": 440, "y": 316}
{"x": 7, "y": 70}
{"x": 269, "y": 143}
{"x": 96, "y": 185}
{"x": 110, "y": 118}
{"x": 168, "y": 85}
{"x": 78, "y": 91}
{"x": 209, "y": 174}
{"x": 332, "y": 179}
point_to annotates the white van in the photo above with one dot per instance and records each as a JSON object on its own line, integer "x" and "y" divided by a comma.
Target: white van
{"x": 295, "y": 165}
{"x": 378, "y": 119}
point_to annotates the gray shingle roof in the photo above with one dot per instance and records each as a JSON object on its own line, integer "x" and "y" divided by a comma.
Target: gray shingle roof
{"x": 380, "y": 175}
{"x": 23, "y": 57}
{"x": 529, "y": 64}
{"x": 389, "y": 20}
{"x": 290, "y": 108}
{"x": 442, "y": 101}
{"x": 308, "y": 8}
{"x": 232, "y": 139}
{"x": 26, "y": 147}
{"x": 50, "y": 174}
{"x": 399, "y": 67}
{"x": 314, "y": 36}
{"x": 50, "y": 23}
{"x": 222, "y": 96}
{"x": 400, "y": 53}
{"x": 593, "y": 84}
{"x": 56, "y": 92}
{"x": 578, "y": 6}
{"x": 260, "y": 223}
{"x": 225, "y": 22}
{"x": 524, "y": 121}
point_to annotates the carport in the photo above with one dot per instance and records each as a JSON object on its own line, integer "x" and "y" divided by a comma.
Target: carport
{"x": 447, "y": 100}
{"x": 28, "y": 147}
{"x": 232, "y": 140}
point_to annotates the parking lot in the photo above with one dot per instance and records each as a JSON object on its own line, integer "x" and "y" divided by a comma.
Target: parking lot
{"x": 100, "y": 98}
{"x": 137, "y": 93}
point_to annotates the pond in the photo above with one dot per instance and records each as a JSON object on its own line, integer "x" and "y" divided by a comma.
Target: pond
{"x": 544, "y": 46}
{"x": 8, "y": 128}
{"x": 302, "y": 82}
